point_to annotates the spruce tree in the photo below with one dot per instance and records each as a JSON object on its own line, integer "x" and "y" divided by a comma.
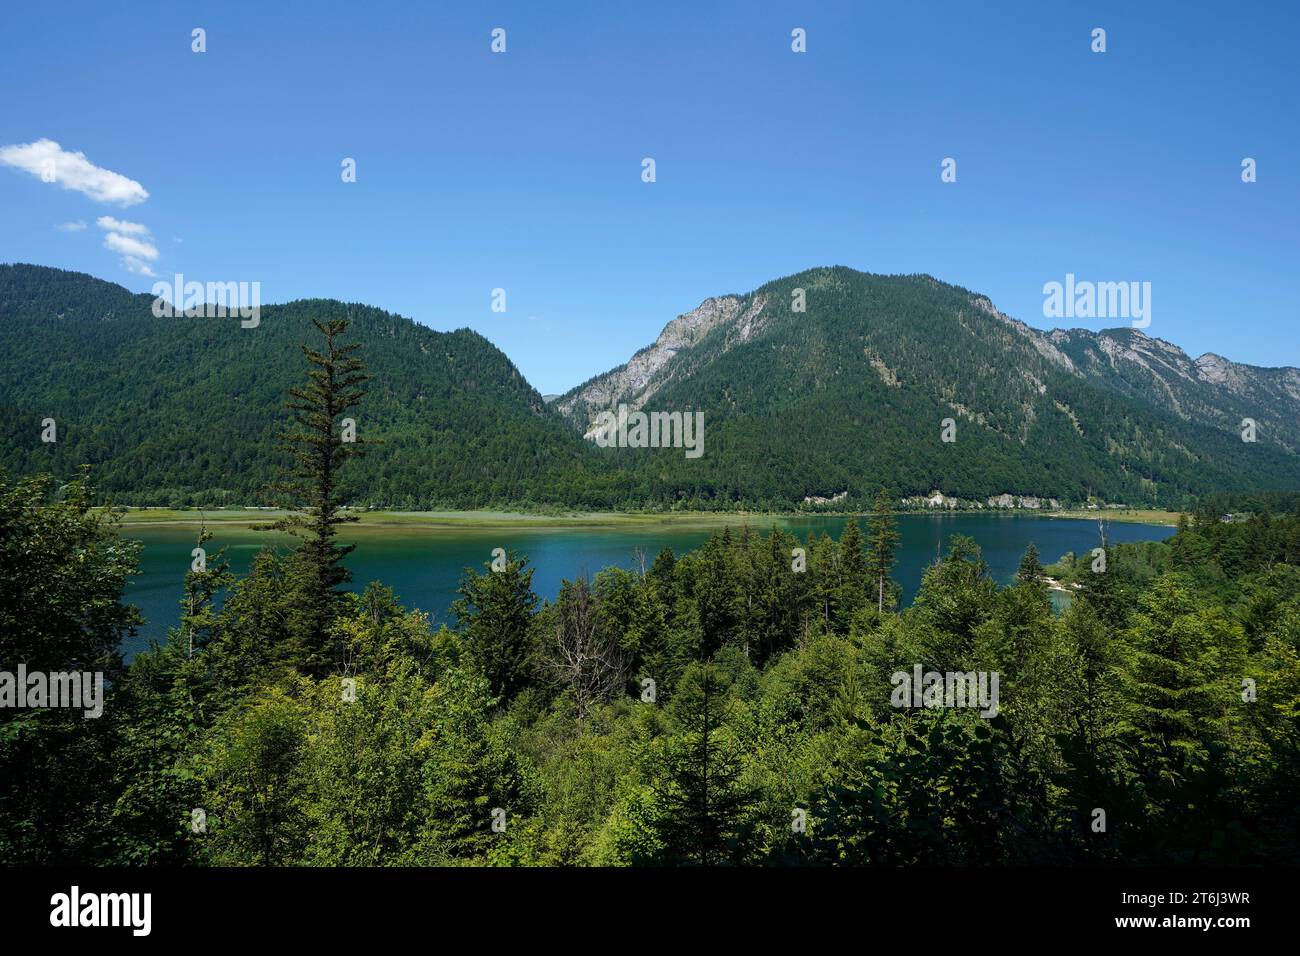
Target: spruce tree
{"x": 822, "y": 574}
{"x": 494, "y": 614}
{"x": 661, "y": 572}
{"x": 882, "y": 547}
{"x": 1031, "y": 569}
{"x": 704, "y": 806}
{"x": 852, "y": 573}
{"x": 319, "y": 449}
{"x": 1090, "y": 736}
{"x": 718, "y": 594}
{"x": 1175, "y": 689}
{"x": 202, "y": 584}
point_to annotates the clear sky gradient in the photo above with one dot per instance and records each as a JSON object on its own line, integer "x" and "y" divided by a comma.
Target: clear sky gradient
{"x": 523, "y": 170}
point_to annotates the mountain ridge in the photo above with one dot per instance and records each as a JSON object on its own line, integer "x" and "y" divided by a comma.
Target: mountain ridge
{"x": 177, "y": 410}
{"x": 1211, "y": 366}
{"x": 1119, "y": 367}
{"x": 833, "y": 402}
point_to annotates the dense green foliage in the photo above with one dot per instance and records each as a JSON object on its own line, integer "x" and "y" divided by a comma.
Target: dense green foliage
{"x": 177, "y": 411}
{"x": 62, "y": 571}
{"x": 770, "y": 705}
{"x": 846, "y": 397}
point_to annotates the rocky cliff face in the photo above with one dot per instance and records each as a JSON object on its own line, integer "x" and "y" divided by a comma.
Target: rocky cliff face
{"x": 646, "y": 372}
{"x": 1210, "y": 390}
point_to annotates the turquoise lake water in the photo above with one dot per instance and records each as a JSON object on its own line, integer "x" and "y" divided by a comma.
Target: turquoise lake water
{"x": 423, "y": 564}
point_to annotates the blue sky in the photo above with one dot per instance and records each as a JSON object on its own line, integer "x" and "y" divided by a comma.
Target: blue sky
{"x": 523, "y": 170}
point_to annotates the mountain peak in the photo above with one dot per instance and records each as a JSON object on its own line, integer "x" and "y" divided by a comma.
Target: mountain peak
{"x": 646, "y": 372}
{"x": 1214, "y": 368}
{"x": 831, "y": 378}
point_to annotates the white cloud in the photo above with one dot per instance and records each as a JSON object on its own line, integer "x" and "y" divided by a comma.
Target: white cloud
{"x": 77, "y": 226}
{"x": 118, "y": 225}
{"x": 46, "y": 158}
{"x": 130, "y": 240}
{"x": 130, "y": 246}
{"x": 135, "y": 265}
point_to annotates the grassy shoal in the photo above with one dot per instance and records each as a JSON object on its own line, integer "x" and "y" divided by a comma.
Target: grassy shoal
{"x": 467, "y": 520}
{"x": 1126, "y": 515}
{"x": 168, "y": 517}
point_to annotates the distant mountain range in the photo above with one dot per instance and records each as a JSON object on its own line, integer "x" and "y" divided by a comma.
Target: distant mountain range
{"x": 832, "y": 402}
{"x": 850, "y": 395}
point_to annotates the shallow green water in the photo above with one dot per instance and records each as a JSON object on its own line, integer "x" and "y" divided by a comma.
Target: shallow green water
{"x": 424, "y": 564}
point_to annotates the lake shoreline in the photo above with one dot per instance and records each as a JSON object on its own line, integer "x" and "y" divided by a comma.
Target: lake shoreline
{"x": 487, "y": 519}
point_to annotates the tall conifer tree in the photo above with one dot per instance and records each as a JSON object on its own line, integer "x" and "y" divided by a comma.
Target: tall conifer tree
{"x": 705, "y": 806}
{"x": 320, "y": 447}
{"x": 882, "y": 546}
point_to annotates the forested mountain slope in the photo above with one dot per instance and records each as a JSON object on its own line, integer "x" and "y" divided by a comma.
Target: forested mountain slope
{"x": 851, "y": 394}
{"x": 847, "y": 396}
{"x": 174, "y": 410}
{"x": 1210, "y": 389}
